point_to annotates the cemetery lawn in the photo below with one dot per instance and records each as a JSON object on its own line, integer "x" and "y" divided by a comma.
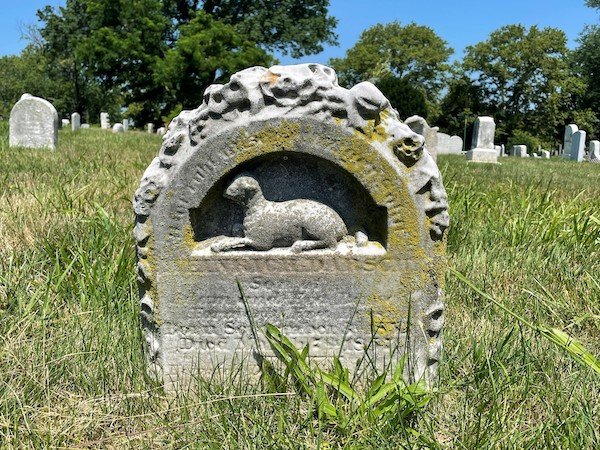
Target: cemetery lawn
{"x": 72, "y": 373}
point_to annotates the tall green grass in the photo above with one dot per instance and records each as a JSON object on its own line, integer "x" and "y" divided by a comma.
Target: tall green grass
{"x": 527, "y": 233}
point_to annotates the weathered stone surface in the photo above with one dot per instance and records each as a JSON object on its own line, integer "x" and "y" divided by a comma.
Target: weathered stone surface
{"x": 287, "y": 199}
{"x": 161, "y": 131}
{"x": 482, "y": 145}
{"x": 568, "y": 140}
{"x": 545, "y": 154}
{"x": 75, "y": 121}
{"x": 104, "y": 121}
{"x": 150, "y": 127}
{"x": 33, "y": 123}
{"x": 118, "y": 128}
{"x": 520, "y": 151}
{"x": 594, "y": 150}
{"x": 125, "y": 124}
{"x": 420, "y": 126}
{"x": 449, "y": 145}
{"x": 578, "y": 147}
{"x": 85, "y": 126}
{"x": 65, "y": 123}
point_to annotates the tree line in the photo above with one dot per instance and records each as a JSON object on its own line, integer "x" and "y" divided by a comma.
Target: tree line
{"x": 148, "y": 59}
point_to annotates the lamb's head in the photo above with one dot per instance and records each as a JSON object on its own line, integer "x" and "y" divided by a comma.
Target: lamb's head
{"x": 242, "y": 189}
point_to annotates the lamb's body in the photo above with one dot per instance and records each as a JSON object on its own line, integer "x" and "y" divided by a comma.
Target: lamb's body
{"x": 300, "y": 224}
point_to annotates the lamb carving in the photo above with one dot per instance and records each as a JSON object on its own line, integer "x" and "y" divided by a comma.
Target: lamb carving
{"x": 300, "y": 224}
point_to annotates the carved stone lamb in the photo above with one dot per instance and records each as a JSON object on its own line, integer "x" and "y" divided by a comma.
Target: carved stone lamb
{"x": 299, "y": 224}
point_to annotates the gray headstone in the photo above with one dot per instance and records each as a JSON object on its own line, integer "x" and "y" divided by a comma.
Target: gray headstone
{"x": 449, "y": 144}
{"x": 125, "y": 124}
{"x": 578, "y": 147}
{"x": 520, "y": 151}
{"x": 65, "y": 123}
{"x": 595, "y": 151}
{"x": 150, "y": 127}
{"x": 161, "y": 131}
{"x": 420, "y": 126}
{"x": 568, "y": 140}
{"x": 75, "y": 121}
{"x": 219, "y": 215}
{"x": 33, "y": 123}
{"x": 482, "y": 149}
{"x": 85, "y": 126}
{"x": 104, "y": 121}
{"x": 118, "y": 128}
{"x": 545, "y": 154}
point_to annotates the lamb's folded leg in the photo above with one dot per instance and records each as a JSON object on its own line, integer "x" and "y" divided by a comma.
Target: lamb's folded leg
{"x": 301, "y": 246}
{"x": 230, "y": 243}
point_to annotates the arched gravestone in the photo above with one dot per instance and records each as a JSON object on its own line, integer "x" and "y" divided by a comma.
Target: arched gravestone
{"x": 33, "y": 123}
{"x": 314, "y": 203}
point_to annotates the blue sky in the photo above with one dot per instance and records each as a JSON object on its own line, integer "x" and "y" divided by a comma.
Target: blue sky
{"x": 459, "y": 22}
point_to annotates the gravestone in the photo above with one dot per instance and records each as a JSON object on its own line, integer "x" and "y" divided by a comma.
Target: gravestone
{"x": 545, "y": 154}
{"x": 118, "y": 128}
{"x": 482, "y": 145}
{"x": 449, "y": 145}
{"x": 161, "y": 131}
{"x": 520, "y": 151}
{"x": 125, "y": 124}
{"x": 570, "y": 130}
{"x": 65, "y": 123}
{"x": 578, "y": 147}
{"x": 420, "y": 126}
{"x": 104, "y": 121}
{"x": 287, "y": 199}
{"x": 33, "y": 123}
{"x": 594, "y": 151}
{"x": 85, "y": 126}
{"x": 75, "y": 121}
{"x": 150, "y": 127}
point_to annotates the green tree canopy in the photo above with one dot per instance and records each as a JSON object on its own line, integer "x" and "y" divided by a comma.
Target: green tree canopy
{"x": 137, "y": 49}
{"x": 525, "y": 79}
{"x": 398, "y": 58}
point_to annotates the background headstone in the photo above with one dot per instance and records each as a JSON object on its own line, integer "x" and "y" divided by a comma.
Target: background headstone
{"x": 482, "y": 147}
{"x": 594, "y": 151}
{"x": 104, "y": 121}
{"x": 65, "y": 123}
{"x": 75, "y": 121}
{"x": 85, "y": 126}
{"x": 545, "y": 154}
{"x": 125, "y": 124}
{"x": 520, "y": 151}
{"x": 449, "y": 144}
{"x": 568, "y": 140}
{"x": 420, "y": 126}
{"x": 161, "y": 131}
{"x": 150, "y": 127}
{"x": 578, "y": 148}
{"x": 118, "y": 128}
{"x": 198, "y": 250}
{"x": 33, "y": 123}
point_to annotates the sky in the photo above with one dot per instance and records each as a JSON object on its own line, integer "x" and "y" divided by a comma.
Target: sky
{"x": 459, "y": 22}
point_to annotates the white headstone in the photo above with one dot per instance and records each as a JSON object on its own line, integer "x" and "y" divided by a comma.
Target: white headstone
{"x": 520, "y": 151}
{"x": 578, "y": 148}
{"x": 33, "y": 123}
{"x": 65, "y": 123}
{"x": 595, "y": 151}
{"x": 482, "y": 148}
{"x": 545, "y": 154}
{"x": 125, "y": 124}
{"x": 105, "y": 121}
{"x": 75, "y": 121}
{"x": 449, "y": 144}
{"x": 118, "y": 128}
{"x": 570, "y": 130}
{"x": 150, "y": 127}
{"x": 161, "y": 131}
{"x": 85, "y": 126}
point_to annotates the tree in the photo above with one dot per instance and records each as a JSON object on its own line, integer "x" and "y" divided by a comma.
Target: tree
{"x": 525, "y": 79}
{"x": 412, "y": 54}
{"x": 126, "y": 46}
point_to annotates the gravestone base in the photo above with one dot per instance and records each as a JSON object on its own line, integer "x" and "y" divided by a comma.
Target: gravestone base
{"x": 482, "y": 155}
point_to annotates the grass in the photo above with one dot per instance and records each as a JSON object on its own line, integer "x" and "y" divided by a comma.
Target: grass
{"x": 526, "y": 232}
